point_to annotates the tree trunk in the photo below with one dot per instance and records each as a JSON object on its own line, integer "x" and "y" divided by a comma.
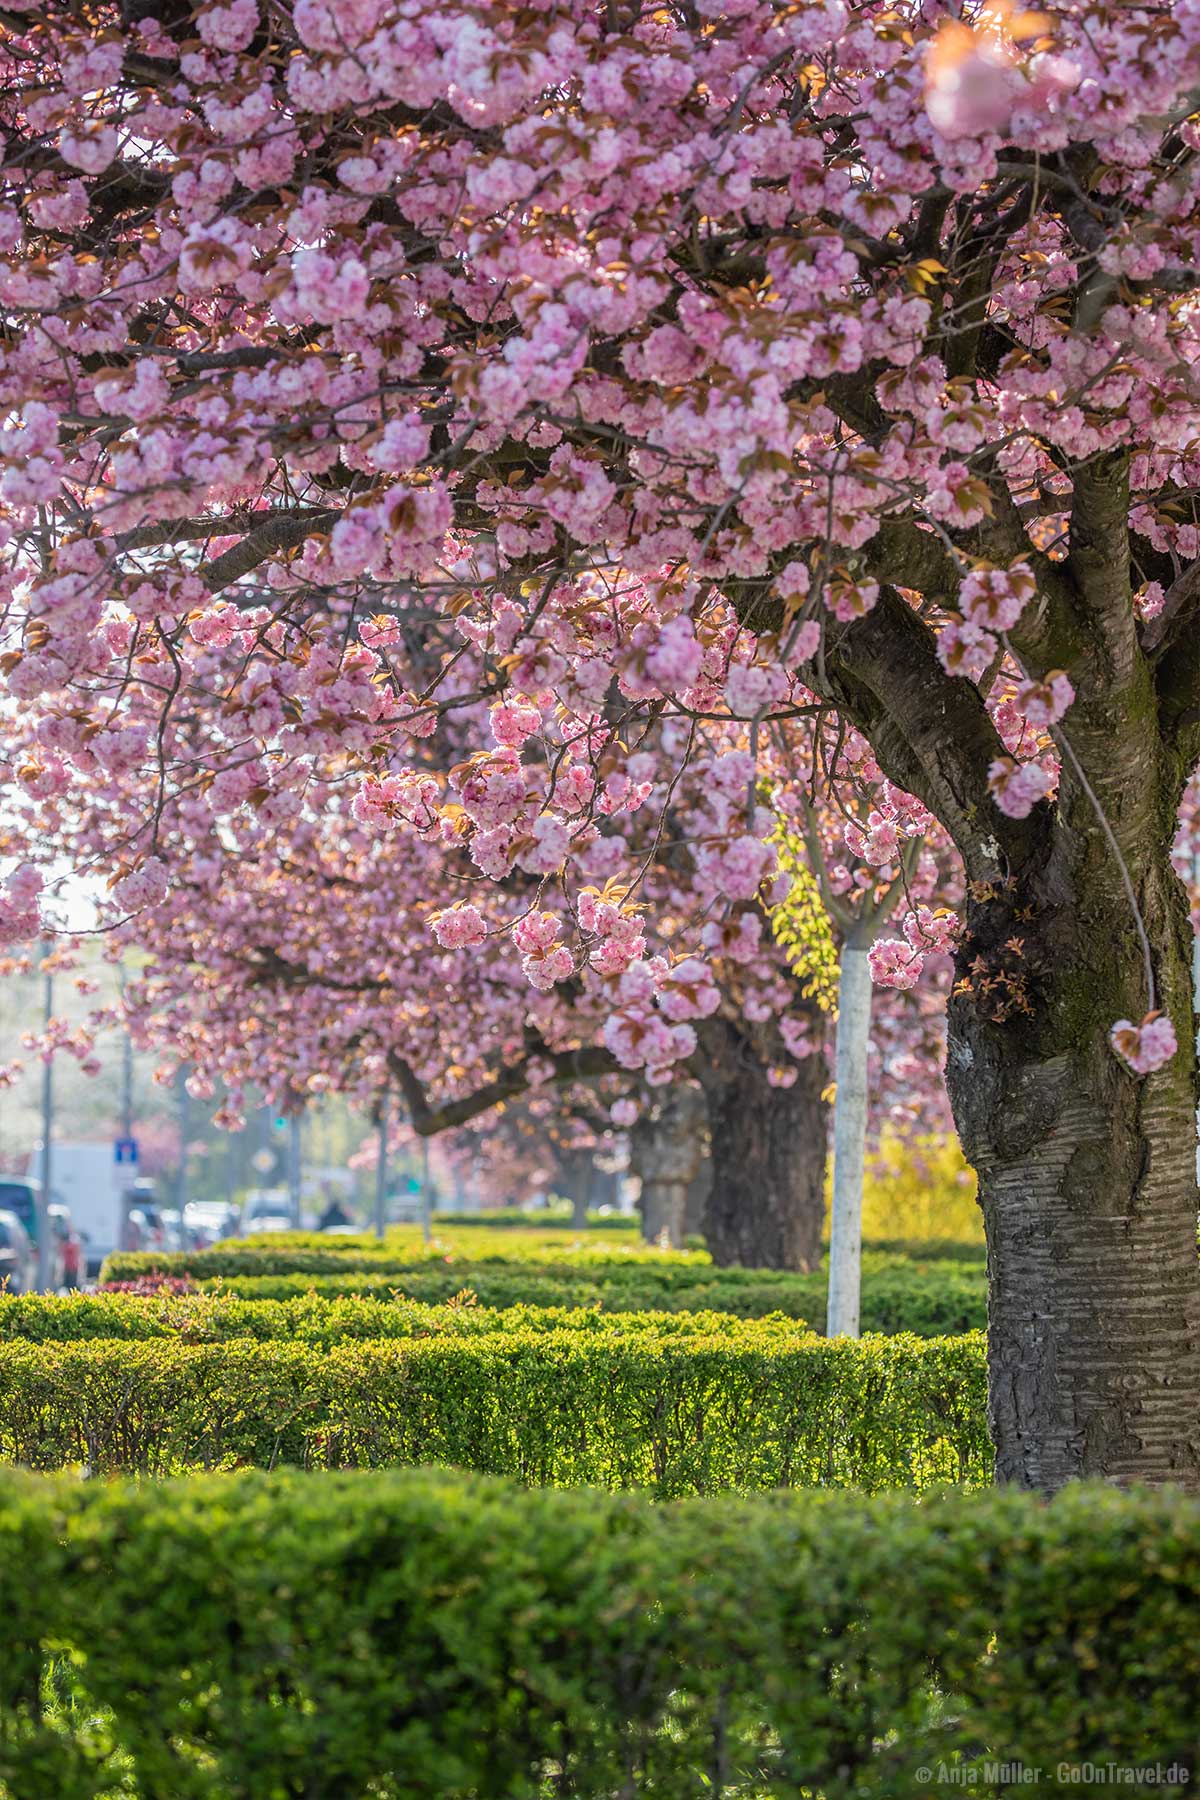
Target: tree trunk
{"x": 698, "y": 1190}
{"x": 665, "y": 1150}
{"x": 1087, "y": 1173}
{"x": 849, "y": 1138}
{"x": 574, "y": 1182}
{"x": 766, "y": 1208}
{"x": 661, "y": 1205}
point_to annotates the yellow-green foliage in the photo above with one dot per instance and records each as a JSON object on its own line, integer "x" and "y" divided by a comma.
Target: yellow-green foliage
{"x": 801, "y": 925}
{"x": 921, "y": 1189}
{"x": 316, "y": 1253}
{"x": 753, "y": 1404}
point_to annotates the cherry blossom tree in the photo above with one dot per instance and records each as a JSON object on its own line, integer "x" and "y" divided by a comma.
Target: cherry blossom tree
{"x": 792, "y": 361}
{"x": 246, "y": 978}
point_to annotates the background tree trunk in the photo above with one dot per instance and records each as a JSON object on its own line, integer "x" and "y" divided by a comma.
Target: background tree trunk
{"x": 698, "y": 1190}
{"x": 665, "y": 1151}
{"x": 581, "y": 1195}
{"x": 575, "y": 1180}
{"x": 1087, "y": 1174}
{"x": 767, "y": 1204}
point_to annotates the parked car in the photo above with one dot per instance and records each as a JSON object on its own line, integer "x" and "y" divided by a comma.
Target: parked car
{"x": 280, "y": 1221}
{"x": 174, "y": 1237}
{"x": 18, "y": 1258}
{"x": 206, "y": 1221}
{"x": 267, "y": 1209}
{"x": 19, "y": 1195}
{"x": 137, "y": 1233}
{"x": 154, "y": 1232}
{"x": 70, "y": 1244}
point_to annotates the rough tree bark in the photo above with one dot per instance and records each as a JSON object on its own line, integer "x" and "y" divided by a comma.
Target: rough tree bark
{"x": 575, "y": 1181}
{"x": 1087, "y": 1171}
{"x": 766, "y": 1208}
{"x": 1087, "y": 1175}
{"x": 699, "y": 1188}
{"x": 666, "y": 1148}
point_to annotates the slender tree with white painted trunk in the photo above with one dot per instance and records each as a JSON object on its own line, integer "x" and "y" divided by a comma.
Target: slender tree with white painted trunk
{"x": 857, "y": 921}
{"x": 849, "y": 1134}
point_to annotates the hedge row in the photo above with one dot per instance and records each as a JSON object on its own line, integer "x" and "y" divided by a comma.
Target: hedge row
{"x": 416, "y": 1635}
{"x": 679, "y": 1415}
{"x": 312, "y": 1253}
{"x": 896, "y": 1297}
{"x": 929, "y": 1304}
{"x": 263, "y": 1255}
{"x": 309, "y": 1318}
{"x": 512, "y": 1234}
{"x": 550, "y": 1218}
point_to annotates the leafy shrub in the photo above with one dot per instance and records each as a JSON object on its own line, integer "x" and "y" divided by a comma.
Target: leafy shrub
{"x": 556, "y": 1217}
{"x": 415, "y": 1634}
{"x": 941, "y": 1293}
{"x": 680, "y": 1414}
{"x": 919, "y": 1189}
{"x": 152, "y": 1285}
{"x": 931, "y": 1301}
{"x": 311, "y": 1253}
{"x": 213, "y": 1317}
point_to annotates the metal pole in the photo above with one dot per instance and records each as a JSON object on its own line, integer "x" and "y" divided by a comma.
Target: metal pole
{"x": 42, "y": 1204}
{"x": 381, "y": 1169}
{"x": 183, "y": 1100}
{"x": 426, "y": 1193}
{"x": 1196, "y": 987}
{"x": 126, "y": 1081}
{"x": 126, "y": 1110}
{"x": 294, "y": 1168}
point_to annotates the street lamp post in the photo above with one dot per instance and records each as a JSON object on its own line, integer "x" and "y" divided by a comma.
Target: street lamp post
{"x": 294, "y": 1168}
{"x": 42, "y": 1202}
{"x": 183, "y": 1101}
{"x": 381, "y": 1167}
{"x": 426, "y": 1193}
{"x": 127, "y": 1111}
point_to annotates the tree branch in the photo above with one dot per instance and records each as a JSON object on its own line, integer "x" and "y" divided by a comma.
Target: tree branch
{"x": 282, "y": 531}
{"x": 583, "y": 1064}
{"x": 184, "y": 531}
{"x": 930, "y": 731}
{"x": 1099, "y": 556}
{"x": 1172, "y": 641}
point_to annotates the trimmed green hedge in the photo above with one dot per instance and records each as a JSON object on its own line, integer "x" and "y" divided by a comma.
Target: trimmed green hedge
{"x": 350, "y": 1256}
{"x": 932, "y": 1301}
{"x": 550, "y": 1218}
{"x": 312, "y": 1253}
{"x": 416, "y": 1636}
{"x": 676, "y": 1414}
{"x": 531, "y": 1236}
{"x": 308, "y": 1318}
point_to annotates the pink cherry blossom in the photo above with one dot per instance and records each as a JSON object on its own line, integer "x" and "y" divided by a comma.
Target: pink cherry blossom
{"x": 1045, "y": 702}
{"x": 144, "y": 886}
{"x": 1145, "y": 1047}
{"x": 996, "y": 598}
{"x": 461, "y": 927}
{"x": 895, "y": 964}
{"x": 1017, "y": 787}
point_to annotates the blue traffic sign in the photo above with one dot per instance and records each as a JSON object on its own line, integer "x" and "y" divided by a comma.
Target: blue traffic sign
{"x": 125, "y": 1151}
